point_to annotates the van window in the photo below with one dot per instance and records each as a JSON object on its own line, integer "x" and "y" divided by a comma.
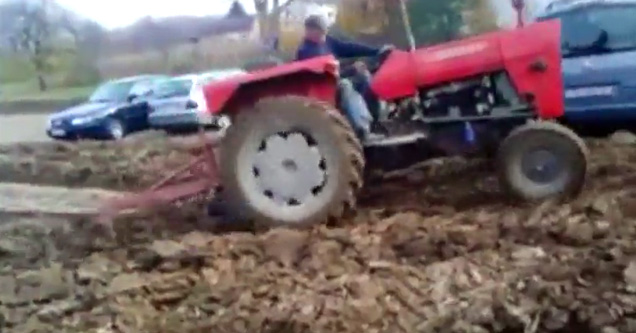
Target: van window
{"x": 617, "y": 21}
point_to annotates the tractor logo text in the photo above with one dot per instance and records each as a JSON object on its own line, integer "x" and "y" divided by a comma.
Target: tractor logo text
{"x": 589, "y": 92}
{"x": 458, "y": 51}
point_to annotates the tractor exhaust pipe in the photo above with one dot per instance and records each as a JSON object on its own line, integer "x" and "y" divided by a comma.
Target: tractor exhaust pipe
{"x": 407, "y": 25}
{"x": 519, "y": 6}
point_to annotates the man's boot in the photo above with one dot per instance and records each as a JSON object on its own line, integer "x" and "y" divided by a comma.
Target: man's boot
{"x": 369, "y": 136}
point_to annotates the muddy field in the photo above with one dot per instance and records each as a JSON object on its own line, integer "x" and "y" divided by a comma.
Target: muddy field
{"x": 440, "y": 252}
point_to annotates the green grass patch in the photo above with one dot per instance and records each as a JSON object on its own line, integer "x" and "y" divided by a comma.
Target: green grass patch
{"x": 57, "y": 94}
{"x": 68, "y": 78}
{"x": 28, "y": 91}
{"x": 15, "y": 69}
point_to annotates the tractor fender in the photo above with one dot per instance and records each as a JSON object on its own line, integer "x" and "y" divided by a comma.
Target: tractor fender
{"x": 316, "y": 77}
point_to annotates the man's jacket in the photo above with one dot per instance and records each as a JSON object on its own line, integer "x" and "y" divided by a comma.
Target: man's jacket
{"x": 339, "y": 49}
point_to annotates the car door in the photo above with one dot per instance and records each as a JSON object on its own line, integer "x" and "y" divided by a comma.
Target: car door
{"x": 136, "y": 112}
{"x": 170, "y": 107}
{"x": 600, "y": 83}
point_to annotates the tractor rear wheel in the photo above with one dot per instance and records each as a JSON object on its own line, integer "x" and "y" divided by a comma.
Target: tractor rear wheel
{"x": 541, "y": 160}
{"x": 290, "y": 161}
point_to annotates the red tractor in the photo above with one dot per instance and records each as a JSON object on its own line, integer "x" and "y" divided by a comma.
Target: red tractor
{"x": 291, "y": 158}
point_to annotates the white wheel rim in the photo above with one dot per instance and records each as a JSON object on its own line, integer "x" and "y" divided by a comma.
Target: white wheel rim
{"x": 286, "y": 191}
{"x": 289, "y": 169}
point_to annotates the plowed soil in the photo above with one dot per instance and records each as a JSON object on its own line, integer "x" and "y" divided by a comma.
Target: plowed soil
{"x": 439, "y": 251}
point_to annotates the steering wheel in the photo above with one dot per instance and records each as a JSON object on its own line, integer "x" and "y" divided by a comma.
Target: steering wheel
{"x": 384, "y": 54}
{"x": 372, "y": 63}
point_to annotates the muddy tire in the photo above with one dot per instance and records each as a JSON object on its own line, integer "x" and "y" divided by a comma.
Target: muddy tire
{"x": 290, "y": 161}
{"x": 542, "y": 160}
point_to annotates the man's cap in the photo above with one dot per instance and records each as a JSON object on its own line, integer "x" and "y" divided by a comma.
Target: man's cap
{"x": 317, "y": 22}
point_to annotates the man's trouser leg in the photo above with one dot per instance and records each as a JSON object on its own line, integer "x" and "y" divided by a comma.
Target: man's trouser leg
{"x": 362, "y": 84}
{"x": 355, "y": 108}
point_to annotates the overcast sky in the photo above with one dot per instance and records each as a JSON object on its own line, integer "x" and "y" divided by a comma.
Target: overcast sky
{"x": 118, "y": 13}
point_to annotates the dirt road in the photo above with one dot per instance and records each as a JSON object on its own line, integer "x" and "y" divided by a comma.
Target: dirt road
{"x": 23, "y": 128}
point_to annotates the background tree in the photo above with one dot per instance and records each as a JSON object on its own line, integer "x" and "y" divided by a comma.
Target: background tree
{"x": 32, "y": 34}
{"x": 480, "y": 17}
{"x": 44, "y": 33}
{"x": 158, "y": 38}
{"x": 362, "y": 17}
{"x": 432, "y": 21}
{"x": 89, "y": 39}
{"x": 268, "y": 13}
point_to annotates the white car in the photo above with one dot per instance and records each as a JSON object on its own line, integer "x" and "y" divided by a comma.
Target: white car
{"x": 178, "y": 103}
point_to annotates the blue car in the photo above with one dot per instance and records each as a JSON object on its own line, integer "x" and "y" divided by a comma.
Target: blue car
{"x": 115, "y": 109}
{"x": 599, "y": 62}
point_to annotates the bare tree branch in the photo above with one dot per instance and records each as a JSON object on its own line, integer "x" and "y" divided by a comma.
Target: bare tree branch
{"x": 33, "y": 36}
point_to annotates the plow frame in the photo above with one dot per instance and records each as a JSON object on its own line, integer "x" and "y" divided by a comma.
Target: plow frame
{"x": 197, "y": 177}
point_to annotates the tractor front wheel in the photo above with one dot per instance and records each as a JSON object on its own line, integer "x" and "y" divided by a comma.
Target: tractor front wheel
{"x": 541, "y": 160}
{"x": 290, "y": 161}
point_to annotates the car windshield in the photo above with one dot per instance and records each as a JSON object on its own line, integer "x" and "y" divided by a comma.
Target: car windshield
{"x": 112, "y": 92}
{"x": 173, "y": 88}
{"x": 619, "y": 23}
{"x": 616, "y": 21}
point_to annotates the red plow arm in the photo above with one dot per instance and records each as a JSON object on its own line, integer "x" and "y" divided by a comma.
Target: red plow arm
{"x": 197, "y": 177}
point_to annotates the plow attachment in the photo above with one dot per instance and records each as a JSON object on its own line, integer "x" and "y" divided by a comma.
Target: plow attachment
{"x": 198, "y": 177}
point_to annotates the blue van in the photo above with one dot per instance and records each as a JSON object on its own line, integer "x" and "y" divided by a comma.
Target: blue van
{"x": 599, "y": 61}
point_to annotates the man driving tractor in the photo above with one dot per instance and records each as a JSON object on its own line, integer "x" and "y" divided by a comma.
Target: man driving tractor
{"x": 355, "y": 96}
{"x": 356, "y": 99}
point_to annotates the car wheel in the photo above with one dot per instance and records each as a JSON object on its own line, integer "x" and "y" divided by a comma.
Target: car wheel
{"x": 115, "y": 129}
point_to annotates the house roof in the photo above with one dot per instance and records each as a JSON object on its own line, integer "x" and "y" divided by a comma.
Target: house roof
{"x": 152, "y": 33}
{"x": 236, "y": 20}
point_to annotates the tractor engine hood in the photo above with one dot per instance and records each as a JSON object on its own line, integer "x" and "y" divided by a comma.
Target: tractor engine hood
{"x": 531, "y": 56}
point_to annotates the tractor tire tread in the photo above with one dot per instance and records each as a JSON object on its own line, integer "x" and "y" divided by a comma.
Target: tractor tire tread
{"x": 341, "y": 121}
{"x": 549, "y": 127}
{"x": 345, "y": 198}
